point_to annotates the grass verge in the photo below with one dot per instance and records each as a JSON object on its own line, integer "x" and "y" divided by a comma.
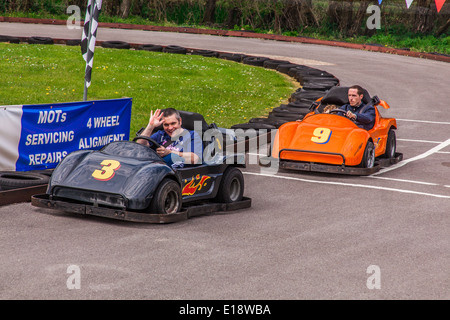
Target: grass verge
{"x": 225, "y": 92}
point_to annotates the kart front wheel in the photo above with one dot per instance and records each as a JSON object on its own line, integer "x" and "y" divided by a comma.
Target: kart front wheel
{"x": 167, "y": 198}
{"x": 232, "y": 186}
{"x": 368, "y": 160}
{"x": 390, "y": 145}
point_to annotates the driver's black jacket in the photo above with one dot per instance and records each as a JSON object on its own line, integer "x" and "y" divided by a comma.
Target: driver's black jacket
{"x": 365, "y": 114}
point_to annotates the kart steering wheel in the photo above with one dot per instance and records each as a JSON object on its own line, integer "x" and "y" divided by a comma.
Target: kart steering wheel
{"x": 338, "y": 111}
{"x": 153, "y": 144}
{"x": 343, "y": 113}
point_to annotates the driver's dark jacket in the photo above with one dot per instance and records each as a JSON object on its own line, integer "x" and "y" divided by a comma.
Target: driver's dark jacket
{"x": 365, "y": 114}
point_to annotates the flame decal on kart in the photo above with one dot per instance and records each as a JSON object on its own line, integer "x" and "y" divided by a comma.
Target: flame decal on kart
{"x": 192, "y": 187}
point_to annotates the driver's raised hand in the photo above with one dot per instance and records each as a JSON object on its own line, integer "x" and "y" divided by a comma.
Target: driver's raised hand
{"x": 155, "y": 119}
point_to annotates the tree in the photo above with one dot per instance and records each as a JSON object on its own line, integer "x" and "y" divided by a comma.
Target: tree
{"x": 210, "y": 12}
{"x": 125, "y": 8}
{"x": 443, "y": 28}
{"x": 424, "y": 16}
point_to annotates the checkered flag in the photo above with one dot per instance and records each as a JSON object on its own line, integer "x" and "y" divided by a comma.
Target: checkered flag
{"x": 89, "y": 37}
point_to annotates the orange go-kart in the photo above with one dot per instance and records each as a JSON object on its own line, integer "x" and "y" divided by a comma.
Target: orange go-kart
{"x": 331, "y": 142}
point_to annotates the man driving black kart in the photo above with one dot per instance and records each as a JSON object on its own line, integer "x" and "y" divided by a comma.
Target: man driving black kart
{"x": 177, "y": 146}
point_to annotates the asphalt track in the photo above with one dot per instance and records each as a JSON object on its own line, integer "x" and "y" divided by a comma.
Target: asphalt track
{"x": 307, "y": 236}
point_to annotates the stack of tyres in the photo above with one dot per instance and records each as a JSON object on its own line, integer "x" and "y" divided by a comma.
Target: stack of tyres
{"x": 10, "y": 180}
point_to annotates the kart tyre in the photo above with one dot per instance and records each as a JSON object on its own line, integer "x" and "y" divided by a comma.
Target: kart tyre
{"x": 46, "y": 172}
{"x": 167, "y": 198}
{"x": 297, "y": 71}
{"x": 151, "y": 47}
{"x": 285, "y": 116}
{"x": 317, "y": 86}
{"x": 115, "y": 44}
{"x": 205, "y": 53}
{"x": 73, "y": 42}
{"x": 175, "y": 49}
{"x": 253, "y": 125}
{"x": 368, "y": 160}
{"x": 40, "y": 40}
{"x": 19, "y": 179}
{"x": 273, "y": 64}
{"x": 9, "y": 39}
{"x": 274, "y": 122}
{"x": 300, "y": 104}
{"x": 255, "y": 61}
{"x": 284, "y": 68}
{"x": 231, "y": 187}
{"x": 391, "y": 145}
{"x": 237, "y": 57}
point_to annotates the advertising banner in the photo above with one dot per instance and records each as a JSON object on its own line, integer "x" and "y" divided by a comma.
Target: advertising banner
{"x": 38, "y": 137}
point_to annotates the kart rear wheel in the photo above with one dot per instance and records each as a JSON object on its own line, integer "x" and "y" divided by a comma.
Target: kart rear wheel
{"x": 167, "y": 198}
{"x": 391, "y": 145}
{"x": 368, "y": 160}
{"x": 232, "y": 186}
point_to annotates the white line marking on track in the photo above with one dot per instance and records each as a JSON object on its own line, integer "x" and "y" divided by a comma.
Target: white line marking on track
{"x": 403, "y": 180}
{"x": 349, "y": 185}
{"x": 418, "y": 157}
{"x": 421, "y": 141}
{"x": 423, "y": 121}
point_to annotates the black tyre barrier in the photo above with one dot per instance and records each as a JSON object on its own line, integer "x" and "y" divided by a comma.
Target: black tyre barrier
{"x": 115, "y": 44}
{"x": 317, "y": 86}
{"x": 237, "y": 57}
{"x": 306, "y": 95}
{"x": 40, "y": 40}
{"x": 151, "y": 47}
{"x": 273, "y": 64}
{"x": 17, "y": 179}
{"x": 299, "y": 104}
{"x": 73, "y": 42}
{"x": 253, "y": 125}
{"x": 287, "y": 116}
{"x": 255, "y": 61}
{"x": 282, "y": 111}
{"x": 47, "y": 172}
{"x": 305, "y": 78}
{"x": 205, "y": 53}
{"x": 272, "y": 121}
{"x": 9, "y": 39}
{"x": 315, "y": 82}
{"x": 175, "y": 49}
{"x": 323, "y": 80}
{"x": 287, "y": 107}
{"x": 292, "y": 72}
{"x": 284, "y": 68}
{"x": 315, "y": 72}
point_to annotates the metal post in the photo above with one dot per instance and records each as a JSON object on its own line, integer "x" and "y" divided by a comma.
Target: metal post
{"x": 89, "y": 36}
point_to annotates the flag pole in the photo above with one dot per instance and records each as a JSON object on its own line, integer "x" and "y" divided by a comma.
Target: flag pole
{"x": 89, "y": 37}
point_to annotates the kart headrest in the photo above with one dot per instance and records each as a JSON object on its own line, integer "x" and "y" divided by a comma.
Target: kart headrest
{"x": 339, "y": 96}
{"x": 188, "y": 120}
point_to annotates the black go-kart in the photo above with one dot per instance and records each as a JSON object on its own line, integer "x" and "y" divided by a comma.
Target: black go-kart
{"x": 126, "y": 180}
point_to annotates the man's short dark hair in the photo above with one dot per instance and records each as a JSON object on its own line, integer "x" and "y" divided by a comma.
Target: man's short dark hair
{"x": 170, "y": 112}
{"x": 359, "y": 89}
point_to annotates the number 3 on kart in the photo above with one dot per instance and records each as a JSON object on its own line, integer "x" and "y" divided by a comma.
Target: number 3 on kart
{"x": 108, "y": 170}
{"x": 321, "y": 135}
